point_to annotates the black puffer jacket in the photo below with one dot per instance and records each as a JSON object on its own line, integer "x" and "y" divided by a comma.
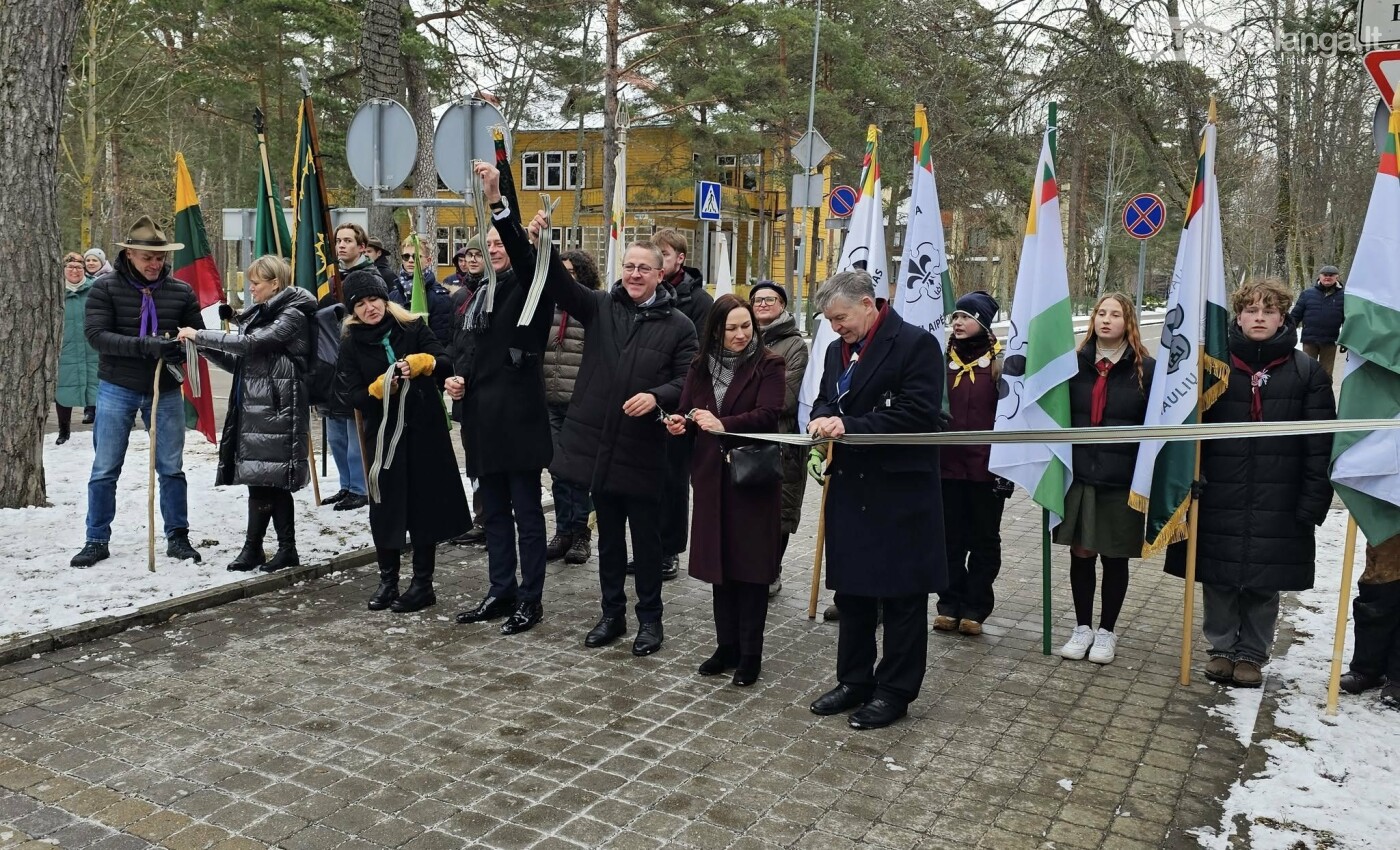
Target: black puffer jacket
{"x": 1109, "y": 464}
{"x": 269, "y": 417}
{"x": 1320, "y": 312}
{"x": 1264, "y": 495}
{"x": 629, "y": 350}
{"x": 784, "y": 339}
{"x": 112, "y": 325}
{"x": 563, "y": 355}
{"x": 689, "y": 296}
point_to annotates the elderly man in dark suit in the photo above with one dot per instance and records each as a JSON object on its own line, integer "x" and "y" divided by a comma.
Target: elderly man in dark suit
{"x": 884, "y": 513}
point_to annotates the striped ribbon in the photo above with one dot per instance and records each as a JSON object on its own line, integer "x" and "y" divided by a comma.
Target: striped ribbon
{"x": 1116, "y": 434}
{"x": 544, "y": 247}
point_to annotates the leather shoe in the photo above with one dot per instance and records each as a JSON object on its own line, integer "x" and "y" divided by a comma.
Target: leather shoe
{"x": 648, "y": 639}
{"x": 608, "y": 630}
{"x": 526, "y": 616}
{"x": 1356, "y": 683}
{"x": 877, "y": 714}
{"x": 838, "y": 699}
{"x": 339, "y": 494}
{"x": 490, "y": 608}
{"x": 476, "y": 536}
{"x": 352, "y": 502}
{"x": 670, "y": 567}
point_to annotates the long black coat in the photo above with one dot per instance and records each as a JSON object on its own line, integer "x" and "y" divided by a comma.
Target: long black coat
{"x": 734, "y": 531}
{"x": 269, "y": 420}
{"x": 1109, "y": 464}
{"x": 505, "y": 423}
{"x": 627, "y": 350}
{"x": 1263, "y": 496}
{"x": 884, "y": 512}
{"x": 783, "y": 339}
{"x": 422, "y": 491}
{"x": 112, "y": 324}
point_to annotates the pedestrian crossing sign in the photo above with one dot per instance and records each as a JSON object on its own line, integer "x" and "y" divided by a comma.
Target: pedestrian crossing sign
{"x": 707, "y": 201}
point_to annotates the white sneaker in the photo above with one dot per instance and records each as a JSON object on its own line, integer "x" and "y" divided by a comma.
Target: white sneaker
{"x": 1078, "y": 644}
{"x": 1105, "y": 642}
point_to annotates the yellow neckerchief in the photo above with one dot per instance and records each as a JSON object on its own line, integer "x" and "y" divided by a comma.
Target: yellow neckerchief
{"x": 966, "y": 368}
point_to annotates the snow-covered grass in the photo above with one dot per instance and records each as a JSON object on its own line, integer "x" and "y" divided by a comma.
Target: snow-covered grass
{"x": 44, "y": 592}
{"x": 1330, "y": 782}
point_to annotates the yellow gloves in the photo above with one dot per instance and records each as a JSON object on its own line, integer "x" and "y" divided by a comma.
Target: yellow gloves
{"x": 376, "y": 389}
{"x": 816, "y": 464}
{"x": 420, "y": 364}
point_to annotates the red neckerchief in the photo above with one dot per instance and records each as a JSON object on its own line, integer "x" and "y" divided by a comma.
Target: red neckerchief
{"x": 1257, "y": 378}
{"x": 1098, "y": 401}
{"x": 883, "y": 308}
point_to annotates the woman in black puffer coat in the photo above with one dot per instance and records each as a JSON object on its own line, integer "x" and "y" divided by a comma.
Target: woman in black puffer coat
{"x": 1263, "y": 496}
{"x": 1110, "y": 389}
{"x": 269, "y": 414}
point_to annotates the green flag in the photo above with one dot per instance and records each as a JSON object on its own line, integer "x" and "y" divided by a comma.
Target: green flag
{"x": 312, "y": 268}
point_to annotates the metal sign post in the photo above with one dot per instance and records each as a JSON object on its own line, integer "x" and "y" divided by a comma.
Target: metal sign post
{"x": 1143, "y": 218}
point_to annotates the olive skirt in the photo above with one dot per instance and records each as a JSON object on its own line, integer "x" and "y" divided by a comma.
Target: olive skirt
{"x": 1100, "y": 520}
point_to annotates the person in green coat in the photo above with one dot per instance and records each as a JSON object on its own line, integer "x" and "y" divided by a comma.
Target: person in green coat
{"x": 77, "y": 360}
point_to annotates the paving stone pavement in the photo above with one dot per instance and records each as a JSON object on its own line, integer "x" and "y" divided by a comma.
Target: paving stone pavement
{"x": 302, "y": 721}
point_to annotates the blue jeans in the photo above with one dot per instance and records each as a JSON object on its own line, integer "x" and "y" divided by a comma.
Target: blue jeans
{"x": 345, "y": 448}
{"x": 571, "y": 502}
{"x": 111, "y": 431}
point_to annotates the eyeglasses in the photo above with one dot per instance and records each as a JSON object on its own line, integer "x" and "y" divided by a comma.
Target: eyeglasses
{"x": 406, "y": 256}
{"x": 74, "y": 266}
{"x": 631, "y": 268}
{"x": 768, "y": 299}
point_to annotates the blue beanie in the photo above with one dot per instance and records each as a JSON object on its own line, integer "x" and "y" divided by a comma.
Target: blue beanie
{"x": 979, "y": 305}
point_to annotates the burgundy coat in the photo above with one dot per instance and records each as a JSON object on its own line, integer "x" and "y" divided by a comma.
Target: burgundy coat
{"x": 734, "y": 531}
{"x": 972, "y": 405}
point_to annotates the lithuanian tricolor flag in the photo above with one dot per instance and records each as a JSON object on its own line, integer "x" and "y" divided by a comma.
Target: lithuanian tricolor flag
{"x": 194, "y": 264}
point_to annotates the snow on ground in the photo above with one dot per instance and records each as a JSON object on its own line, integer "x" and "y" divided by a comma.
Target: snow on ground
{"x": 1330, "y": 781}
{"x": 44, "y": 592}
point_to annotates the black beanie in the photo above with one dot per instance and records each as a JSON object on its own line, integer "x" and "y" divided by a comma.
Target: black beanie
{"x": 769, "y": 284}
{"x": 979, "y": 305}
{"x": 361, "y": 284}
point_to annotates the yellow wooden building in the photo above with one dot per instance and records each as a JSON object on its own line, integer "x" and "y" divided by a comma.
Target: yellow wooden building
{"x": 662, "y": 168}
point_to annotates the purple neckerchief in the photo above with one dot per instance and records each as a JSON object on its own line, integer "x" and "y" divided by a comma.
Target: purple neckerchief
{"x": 149, "y": 320}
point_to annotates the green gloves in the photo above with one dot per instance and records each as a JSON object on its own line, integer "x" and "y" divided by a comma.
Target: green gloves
{"x": 816, "y": 464}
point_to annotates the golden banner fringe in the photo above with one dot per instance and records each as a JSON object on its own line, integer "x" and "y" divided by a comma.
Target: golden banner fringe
{"x": 1220, "y": 370}
{"x": 1174, "y": 530}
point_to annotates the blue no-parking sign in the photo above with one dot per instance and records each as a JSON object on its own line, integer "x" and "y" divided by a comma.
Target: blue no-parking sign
{"x": 1144, "y": 216}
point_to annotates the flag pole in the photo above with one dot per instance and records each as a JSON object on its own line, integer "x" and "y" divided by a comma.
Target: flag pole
{"x": 1045, "y": 566}
{"x": 1193, "y": 517}
{"x": 151, "y": 474}
{"x": 821, "y": 545}
{"x": 260, "y": 126}
{"x": 1334, "y": 680}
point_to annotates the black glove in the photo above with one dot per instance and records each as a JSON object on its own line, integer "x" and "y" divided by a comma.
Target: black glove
{"x": 1002, "y": 488}
{"x": 944, "y": 421}
{"x": 171, "y": 351}
{"x": 226, "y": 312}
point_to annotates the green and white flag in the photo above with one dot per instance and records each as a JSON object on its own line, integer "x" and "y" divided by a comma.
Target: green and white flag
{"x": 1366, "y": 465}
{"x": 864, "y": 249}
{"x": 923, "y": 284}
{"x": 1185, "y": 384}
{"x": 1039, "y": 355}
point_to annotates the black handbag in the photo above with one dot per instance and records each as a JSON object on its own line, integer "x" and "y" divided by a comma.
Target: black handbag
{"x": 755, "y": 464}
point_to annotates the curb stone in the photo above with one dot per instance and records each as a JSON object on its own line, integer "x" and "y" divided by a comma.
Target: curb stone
{"x": 160, "y": 612}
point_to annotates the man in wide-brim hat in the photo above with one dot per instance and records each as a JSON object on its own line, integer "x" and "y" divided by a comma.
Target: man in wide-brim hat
{"x": 131, "y": 319}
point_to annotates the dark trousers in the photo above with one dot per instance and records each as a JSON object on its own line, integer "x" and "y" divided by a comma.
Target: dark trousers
{"x": 65, "y": 416}
{"x": 616, "y": 513}
{"x": 972, "y": 530}
{"x": 571, "y": 503}
{"x": 675, "y": 498}
{"x": 510, "y": 505}
{"x": 1376, "y": 623}
{"x": 900, "y": 672}
{"x": 741, "y": 610}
